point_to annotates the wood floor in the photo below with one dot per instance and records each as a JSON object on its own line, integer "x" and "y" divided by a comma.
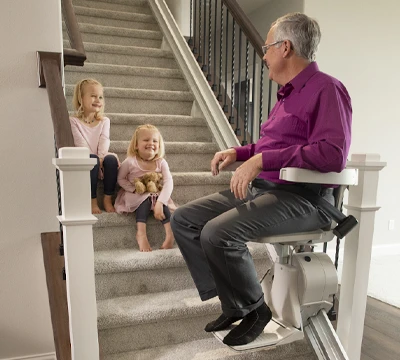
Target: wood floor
{"x": 381, "y": 339}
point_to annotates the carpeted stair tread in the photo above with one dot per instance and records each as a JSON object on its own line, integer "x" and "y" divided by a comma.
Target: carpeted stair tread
{"x": 112, "y": 14}
{"x": 140, "y": 94}
{"x": 156, "y": 119}
{"x": 118, "y": 31}
{"x": 173, "y": 147}
{"x": 124, "y": 50}
{"x": 114, "y": 261}
{"x": 133, "y": 6}
{"x": 212, "y": 349}
{"x": 127, "y": 70}
{"x": 152, "y": 308}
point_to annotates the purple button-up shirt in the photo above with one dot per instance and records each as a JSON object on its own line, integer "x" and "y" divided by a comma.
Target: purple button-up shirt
{"x": 309, "y": 127}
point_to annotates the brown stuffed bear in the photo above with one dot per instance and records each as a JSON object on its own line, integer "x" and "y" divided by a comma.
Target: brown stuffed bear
{"x": 150, "y": 182}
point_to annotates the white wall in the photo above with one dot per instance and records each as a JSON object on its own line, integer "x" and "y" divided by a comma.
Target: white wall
{"x": 180, "y": 9}
{"x": 27, "y": 177}
{"x": 359, "y": 47}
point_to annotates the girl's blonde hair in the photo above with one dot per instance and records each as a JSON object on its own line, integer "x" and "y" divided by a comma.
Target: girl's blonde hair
{"x": 132, "y": 149}
{"x": 77, "y": 99}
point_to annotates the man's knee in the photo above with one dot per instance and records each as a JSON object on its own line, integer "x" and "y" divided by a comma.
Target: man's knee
{"x": 213, "y": 235}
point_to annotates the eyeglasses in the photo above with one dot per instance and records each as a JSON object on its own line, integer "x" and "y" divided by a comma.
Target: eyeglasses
{"x": 266, "y": 47}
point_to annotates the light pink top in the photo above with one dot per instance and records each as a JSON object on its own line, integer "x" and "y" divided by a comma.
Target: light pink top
{"x": 127, "y": 200}
{"x": 96, "y": 139}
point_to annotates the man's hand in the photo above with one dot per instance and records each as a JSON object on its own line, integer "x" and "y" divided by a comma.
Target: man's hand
{"x": 227, "y": 157}
{"x": 244, "y": 174}
{"x": 159, "y": 211}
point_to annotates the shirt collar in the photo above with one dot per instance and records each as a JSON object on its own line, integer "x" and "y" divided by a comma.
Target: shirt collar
{"x": 298, "y": 81}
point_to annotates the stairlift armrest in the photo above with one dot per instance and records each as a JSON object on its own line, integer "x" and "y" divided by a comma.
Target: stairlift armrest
{"x": 346, "y": 177}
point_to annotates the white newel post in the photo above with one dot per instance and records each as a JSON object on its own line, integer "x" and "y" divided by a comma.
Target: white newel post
{"x": 77, "y": 220}
{"x": 357, "y": 253}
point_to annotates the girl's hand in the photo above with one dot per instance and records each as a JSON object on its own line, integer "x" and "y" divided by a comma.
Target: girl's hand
{"x": 101, "y": 162}
{"x": 159, "y": 211}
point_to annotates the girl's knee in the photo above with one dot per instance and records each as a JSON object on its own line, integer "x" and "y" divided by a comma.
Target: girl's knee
{"x": 94, "y": 156}
{"x": 110, "y": 161}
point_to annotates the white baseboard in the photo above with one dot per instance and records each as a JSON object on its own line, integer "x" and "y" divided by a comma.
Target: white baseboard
{"x": 48, "y": 356}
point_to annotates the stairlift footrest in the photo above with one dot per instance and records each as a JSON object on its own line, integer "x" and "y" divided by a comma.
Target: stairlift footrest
{"x": 274, "y": 334}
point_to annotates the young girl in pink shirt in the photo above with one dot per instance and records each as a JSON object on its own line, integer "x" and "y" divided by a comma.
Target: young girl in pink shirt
{"x": 91, "y": 129}
{"x": 146, "y": 154}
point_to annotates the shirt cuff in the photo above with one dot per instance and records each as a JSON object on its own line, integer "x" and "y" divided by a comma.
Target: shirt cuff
{"x": 271, "y": 160}
{"x": 242, "y": 153}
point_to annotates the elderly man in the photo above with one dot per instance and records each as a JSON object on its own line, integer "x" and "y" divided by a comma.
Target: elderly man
{"x": 309, "y": 128}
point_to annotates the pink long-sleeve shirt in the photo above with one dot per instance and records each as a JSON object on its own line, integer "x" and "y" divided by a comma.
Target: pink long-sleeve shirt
{"x": 96, "y": 139}
{"x": 309, "y": 127}
{"x": 127, "y": 199}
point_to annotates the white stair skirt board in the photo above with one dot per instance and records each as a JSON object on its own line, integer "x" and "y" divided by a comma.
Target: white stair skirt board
{"x": 48, "y": 356}
{"x": 275, "y": 333}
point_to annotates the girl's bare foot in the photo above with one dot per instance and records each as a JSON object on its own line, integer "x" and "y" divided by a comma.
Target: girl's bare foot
{"x": 95, "y": 207}
{"x": 108, "y": 206}
{"x": 169, "y": 237}
{"x": 143, "y": 242}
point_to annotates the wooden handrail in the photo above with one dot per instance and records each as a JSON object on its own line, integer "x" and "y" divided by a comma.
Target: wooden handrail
{"x": 49, "y": 66}
{"x": 57, "y": 292}
{"x": 75, "y": 56}
{"x": 247, "y": 27}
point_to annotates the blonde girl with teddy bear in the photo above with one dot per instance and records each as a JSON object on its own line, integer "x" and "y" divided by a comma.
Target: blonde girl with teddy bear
{"x": 145, "y": 156}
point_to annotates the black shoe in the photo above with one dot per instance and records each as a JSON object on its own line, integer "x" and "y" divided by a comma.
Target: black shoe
{"x": 221, "y": 323}
{"x": 250, "y": 328}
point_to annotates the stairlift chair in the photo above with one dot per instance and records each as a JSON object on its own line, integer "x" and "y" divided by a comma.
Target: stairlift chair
{"x": 299, "y": 288}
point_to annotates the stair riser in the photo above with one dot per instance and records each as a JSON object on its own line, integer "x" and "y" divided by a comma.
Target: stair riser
{"x": 183, "y": 162}
{"x": 123, "y": 237}
{"x": 140, "y": 106}
{"x": 152, "y": 281}
{"x": 118, "y": 40}
{"x": 137, "y": 7}
{"x": 129, "y": 81}
{"x": 141, "y": 336}
{"x": 131, "y": 60}
{"x": 118, "y": 23}
{"x": 169, "y": 133}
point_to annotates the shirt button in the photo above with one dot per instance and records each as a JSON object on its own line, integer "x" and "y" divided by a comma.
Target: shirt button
{"x": 283, "y": 100}
{"x": 273, "y": 117}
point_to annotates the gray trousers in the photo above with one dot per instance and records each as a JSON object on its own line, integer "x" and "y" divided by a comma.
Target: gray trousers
{"x": 212, "y": 233}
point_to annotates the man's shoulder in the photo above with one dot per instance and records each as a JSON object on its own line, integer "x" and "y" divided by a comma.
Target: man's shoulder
{"x": 322, "y": 80}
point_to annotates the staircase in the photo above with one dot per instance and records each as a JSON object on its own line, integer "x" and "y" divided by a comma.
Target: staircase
{"x": 148, "y": 307}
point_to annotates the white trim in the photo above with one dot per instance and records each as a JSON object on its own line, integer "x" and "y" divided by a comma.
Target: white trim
{"x": 48, "y": 356}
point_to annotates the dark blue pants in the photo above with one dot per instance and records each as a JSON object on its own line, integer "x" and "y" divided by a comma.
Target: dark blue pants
{"x": 110, "y": 169}
{"x": 143, "y": 211}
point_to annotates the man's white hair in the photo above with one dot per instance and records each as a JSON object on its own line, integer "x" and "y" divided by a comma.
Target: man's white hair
{"x": 302, "y": 31}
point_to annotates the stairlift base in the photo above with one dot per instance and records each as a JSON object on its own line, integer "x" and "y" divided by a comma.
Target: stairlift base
{"x": 274, "y": 334}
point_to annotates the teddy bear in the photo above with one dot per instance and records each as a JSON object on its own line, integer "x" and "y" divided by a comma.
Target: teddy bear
{"x": 150, "y": 182}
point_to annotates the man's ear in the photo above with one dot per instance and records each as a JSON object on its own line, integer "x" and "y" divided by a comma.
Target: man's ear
{"x": 287, "y": 47}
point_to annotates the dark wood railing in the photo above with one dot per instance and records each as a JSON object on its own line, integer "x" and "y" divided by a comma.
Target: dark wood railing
{"x": 75, "y": 56}
{"x": 228, "y": 49}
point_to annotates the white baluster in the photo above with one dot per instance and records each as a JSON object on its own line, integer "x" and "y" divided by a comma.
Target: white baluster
{"x": 77, "y": 220}
{"x": 357, "y": 252}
